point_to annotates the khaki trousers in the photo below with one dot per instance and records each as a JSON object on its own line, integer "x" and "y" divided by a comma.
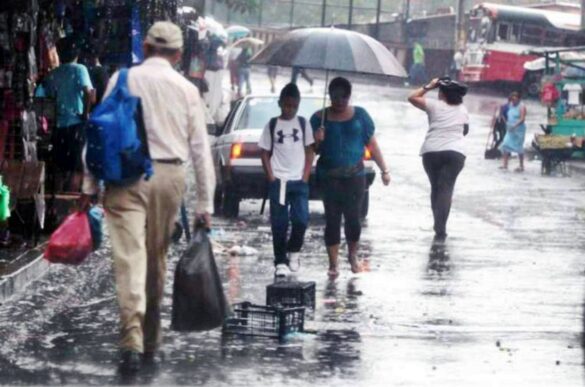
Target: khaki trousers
{"x": 140, "y": 218}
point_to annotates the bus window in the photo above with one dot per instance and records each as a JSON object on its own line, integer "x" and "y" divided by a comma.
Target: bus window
{"x": 531, "y": 34}
{"x": 503, "y": 32}
{"x": 472, "y": 33}
{"x": 484, "y": 29}
{"x": 553, "y": 38}
{"x": 515, "y": 33}
{"x": 572, "y": 40}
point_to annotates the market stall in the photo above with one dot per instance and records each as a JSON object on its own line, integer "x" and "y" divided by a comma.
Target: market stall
{"x": 563, "y": 94}
{"x": 29, "y": 32}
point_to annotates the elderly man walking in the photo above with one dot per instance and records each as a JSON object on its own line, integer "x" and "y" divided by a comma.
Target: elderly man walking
{"x": 140, "y": 216}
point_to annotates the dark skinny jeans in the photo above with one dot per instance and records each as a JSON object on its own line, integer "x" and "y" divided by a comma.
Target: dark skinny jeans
{"x": 442, "y": 168}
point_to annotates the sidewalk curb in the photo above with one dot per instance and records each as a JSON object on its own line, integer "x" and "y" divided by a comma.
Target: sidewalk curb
{"x": 28, "y": 267}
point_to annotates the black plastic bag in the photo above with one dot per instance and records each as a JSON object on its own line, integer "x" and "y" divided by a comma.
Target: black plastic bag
{"x": 199, "y": 302}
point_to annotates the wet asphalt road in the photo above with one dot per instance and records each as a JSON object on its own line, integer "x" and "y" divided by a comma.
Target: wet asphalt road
{"x": 500, "y": 305}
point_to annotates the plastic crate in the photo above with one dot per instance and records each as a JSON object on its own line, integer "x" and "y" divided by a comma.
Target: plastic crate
{"x": 248, "y": 319}
{"x": 291, "y": 294}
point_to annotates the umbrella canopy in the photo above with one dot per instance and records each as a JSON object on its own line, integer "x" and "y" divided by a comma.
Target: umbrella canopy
{"x": 186, "y": 10}
{"x": 330, "y": 49}
{"x": 215, "y": 28}
{"x": 237, "y": 32}
{"x": 248, "y": 42}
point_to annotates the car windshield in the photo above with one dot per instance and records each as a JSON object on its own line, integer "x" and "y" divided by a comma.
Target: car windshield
{"x": 259, "y": 110}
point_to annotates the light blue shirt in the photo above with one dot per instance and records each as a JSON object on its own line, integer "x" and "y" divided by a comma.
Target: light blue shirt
{"x": 66, "y": 84}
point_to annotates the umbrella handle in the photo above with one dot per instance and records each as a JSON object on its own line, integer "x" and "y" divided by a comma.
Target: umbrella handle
{"x": 324, "y": 99}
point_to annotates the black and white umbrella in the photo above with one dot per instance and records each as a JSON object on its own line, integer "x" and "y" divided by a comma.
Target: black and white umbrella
{"x": 330, "y": 49}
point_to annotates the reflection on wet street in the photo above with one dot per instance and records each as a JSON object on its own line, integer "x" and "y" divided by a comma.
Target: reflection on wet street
{"x": 500, "y": 303}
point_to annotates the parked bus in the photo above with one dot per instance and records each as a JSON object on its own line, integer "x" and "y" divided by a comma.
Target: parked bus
{"x": 500, "y": 35}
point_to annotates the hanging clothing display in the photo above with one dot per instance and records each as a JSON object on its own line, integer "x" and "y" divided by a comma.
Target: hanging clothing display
{"x": 29, "y": 33}
{"x": 29, "y": 135}
{"x": 137, "y": 54}
{"x": 574, "y": 93}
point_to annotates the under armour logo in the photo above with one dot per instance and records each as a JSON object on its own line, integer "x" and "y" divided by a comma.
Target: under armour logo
{"x": 282, "y": 136}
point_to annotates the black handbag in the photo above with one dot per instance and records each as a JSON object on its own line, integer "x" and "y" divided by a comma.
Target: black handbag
{"x": 492, "y": 154}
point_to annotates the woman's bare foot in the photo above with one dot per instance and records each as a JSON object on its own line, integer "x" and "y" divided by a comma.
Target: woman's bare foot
{"x": 519, "y": 170}
{"x": 366, "y": 266}
{"x": 333, "y": 272}
{"x": 356, "y": 265}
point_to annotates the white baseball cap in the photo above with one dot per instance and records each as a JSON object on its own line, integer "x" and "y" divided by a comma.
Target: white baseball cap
{"x": 165, "y": 34}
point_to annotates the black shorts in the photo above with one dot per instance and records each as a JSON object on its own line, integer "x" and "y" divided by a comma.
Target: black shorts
{"x": 68, "y": 143}
{"x": 343, "y": 197}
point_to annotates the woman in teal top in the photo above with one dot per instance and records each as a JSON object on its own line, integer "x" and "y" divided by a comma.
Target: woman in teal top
{"x": 343, "y": 147}
{"x": 341, "y": 143}
{"x": 515, "y": 132}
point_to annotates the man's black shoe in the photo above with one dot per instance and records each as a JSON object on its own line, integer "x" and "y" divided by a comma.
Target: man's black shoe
{"x": 129, "y": 362}
{"x": 151, "y": 358}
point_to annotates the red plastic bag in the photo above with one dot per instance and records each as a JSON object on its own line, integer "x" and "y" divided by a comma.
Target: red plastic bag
{"x": 70, "y": 243}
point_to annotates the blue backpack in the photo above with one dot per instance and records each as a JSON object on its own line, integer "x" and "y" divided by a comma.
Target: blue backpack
{"x": 117, "y": 147}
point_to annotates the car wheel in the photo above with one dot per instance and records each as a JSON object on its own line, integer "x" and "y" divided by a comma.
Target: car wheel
{"x": 217, "y": 200}
{"x": 365, "y": 205}
{"x": 231, "y": 204}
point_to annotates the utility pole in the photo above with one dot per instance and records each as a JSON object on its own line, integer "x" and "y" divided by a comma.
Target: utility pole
{"x": 350, "y": 17}
{"x": 459, "y": 23}
{"x": 323, "y": 13}
{"x": 292, "y": 13}
{"x": 378, "y": 12}
{"x": 260, "y": 13}
{"x": 583, "y": 14}
{"x": 406, "y": 16}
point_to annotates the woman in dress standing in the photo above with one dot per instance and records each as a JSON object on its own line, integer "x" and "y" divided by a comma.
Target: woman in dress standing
{"x": 515, "y": 132}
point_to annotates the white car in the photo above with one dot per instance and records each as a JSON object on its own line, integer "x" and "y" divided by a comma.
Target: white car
{"x": 236, "y": 154}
